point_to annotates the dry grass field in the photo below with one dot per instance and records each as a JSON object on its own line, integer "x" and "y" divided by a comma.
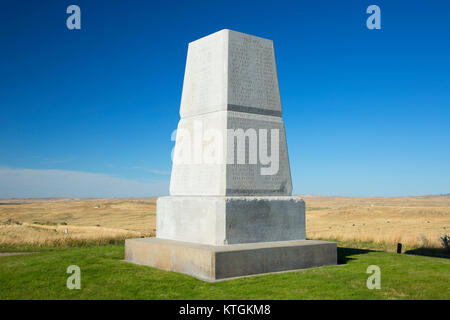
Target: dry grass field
{"x": 414, "y": 221}
{"x": 44, "y": 221}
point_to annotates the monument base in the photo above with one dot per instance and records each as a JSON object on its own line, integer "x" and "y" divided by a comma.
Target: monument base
{"x": 213, "y": 263}
{"x": 229, "y": 220}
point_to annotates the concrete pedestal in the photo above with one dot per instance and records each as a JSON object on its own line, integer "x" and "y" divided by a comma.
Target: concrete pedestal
{"x": 230, "y": 220}
{"x": 213, "y": 263}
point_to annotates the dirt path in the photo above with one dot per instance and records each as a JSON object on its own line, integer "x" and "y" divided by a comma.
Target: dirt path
{"x": 6, "y": 254}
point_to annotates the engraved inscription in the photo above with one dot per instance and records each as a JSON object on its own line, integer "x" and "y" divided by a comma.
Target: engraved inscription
{"x": 252, "y": 73}
{"x": 246, "y": 179}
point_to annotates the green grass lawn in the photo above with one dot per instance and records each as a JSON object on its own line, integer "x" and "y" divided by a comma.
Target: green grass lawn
{"x": 42, "y": 275}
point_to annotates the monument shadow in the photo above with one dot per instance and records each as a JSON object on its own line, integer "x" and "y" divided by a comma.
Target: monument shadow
{"x": 344, "y": 254}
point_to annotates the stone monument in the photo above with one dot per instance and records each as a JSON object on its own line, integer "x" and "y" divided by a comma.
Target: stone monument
{"x": 230, "y": 211}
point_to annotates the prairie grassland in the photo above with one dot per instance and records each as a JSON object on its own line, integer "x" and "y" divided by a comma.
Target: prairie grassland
{"x": 43, "y": 222}
{"x": 414, "y": 221}
{"x": 45, "y": 235}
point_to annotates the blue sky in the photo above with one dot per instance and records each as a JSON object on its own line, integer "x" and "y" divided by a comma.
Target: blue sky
{"x": 89, "y": 113}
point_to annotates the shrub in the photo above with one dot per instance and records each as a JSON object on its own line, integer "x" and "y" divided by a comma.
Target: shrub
{"x": 445, "y": 239}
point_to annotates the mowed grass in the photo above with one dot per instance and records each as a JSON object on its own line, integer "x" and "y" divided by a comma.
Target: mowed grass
{"x": 42, "y": 275}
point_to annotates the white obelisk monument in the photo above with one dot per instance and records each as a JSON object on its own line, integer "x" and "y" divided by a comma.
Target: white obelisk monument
{"x": 230, "y": 211}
